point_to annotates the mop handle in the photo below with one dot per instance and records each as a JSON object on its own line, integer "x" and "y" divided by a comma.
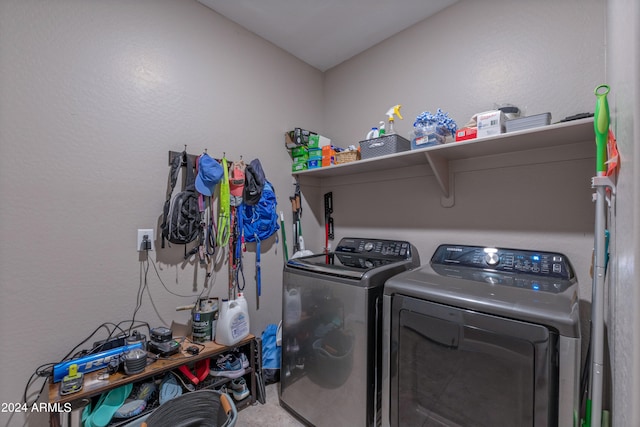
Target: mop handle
{"x": 601, "y": 127}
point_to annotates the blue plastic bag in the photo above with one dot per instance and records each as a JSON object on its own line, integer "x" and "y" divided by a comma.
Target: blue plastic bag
{"x": 271, "y": 354}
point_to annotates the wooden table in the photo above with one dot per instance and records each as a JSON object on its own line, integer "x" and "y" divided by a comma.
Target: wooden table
{"x": 94, "y": 386}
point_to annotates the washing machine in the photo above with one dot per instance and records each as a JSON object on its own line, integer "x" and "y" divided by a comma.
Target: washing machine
{"x": 482, "y": 336}
{"x": 332, "y": 330}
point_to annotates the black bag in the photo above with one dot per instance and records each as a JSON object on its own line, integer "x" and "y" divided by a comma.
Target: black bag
{"x": 181, "y": 222}
{"x": 254, "y": 179}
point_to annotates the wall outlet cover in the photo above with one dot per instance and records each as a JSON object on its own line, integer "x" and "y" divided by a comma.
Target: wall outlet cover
{"x": 145, "y": 232}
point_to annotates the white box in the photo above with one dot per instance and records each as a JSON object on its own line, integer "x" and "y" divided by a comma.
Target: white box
{"x": 318, "y": 141}
{"x": 490, "y": 123}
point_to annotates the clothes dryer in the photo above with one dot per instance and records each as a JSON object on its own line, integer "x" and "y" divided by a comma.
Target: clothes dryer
{"x": 482, "y": 336}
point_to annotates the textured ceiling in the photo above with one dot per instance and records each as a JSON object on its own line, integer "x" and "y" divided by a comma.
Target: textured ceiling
{"x": 324, "y": 33}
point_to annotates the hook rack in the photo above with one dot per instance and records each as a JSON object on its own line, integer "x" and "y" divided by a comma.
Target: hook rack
{"x": 174, "y": 154}
{"x": 193, "y": 157}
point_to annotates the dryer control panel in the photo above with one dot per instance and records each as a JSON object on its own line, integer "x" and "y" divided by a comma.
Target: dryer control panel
{"x": 539, "y": 263}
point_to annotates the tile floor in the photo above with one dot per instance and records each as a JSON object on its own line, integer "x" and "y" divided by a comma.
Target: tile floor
{"x": 268, "y": 415}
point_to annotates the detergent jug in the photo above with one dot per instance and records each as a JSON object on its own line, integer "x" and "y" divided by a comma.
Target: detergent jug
{"x": 233, "y": 321}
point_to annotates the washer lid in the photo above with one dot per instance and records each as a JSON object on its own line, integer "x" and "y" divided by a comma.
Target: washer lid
{"x": 353, "y": 266}
{"x": 354, "y": 257}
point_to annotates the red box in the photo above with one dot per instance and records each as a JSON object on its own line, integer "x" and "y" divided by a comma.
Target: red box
{"x": 466, "y": 133}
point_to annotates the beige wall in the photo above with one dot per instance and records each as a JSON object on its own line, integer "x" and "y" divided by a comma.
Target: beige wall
{"x": 623, "y": 74}
{"x": 93, "y": 96}
{"x": 541, "y": 56}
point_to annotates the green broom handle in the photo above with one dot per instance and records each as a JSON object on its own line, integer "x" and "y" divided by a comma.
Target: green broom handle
{"x": 601, "y": 127}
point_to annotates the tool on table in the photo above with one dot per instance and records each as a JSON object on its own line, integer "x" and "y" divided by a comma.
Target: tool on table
{"x": 72, "y": 383}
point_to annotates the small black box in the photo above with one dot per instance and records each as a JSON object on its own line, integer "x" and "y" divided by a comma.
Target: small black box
{"x": 161, "y": 334}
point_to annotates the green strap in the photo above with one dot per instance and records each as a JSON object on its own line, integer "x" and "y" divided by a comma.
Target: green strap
{"x": 224, "y": 207}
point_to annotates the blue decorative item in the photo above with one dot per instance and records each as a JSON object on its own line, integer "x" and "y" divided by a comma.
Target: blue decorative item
{"x": 432, "y": 129}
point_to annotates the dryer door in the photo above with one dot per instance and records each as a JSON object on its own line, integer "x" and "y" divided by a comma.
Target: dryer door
{"x": 456, "y": 367}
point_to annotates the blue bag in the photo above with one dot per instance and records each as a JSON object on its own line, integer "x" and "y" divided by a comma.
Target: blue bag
{"x": 271, "y": 354}
{"x": 259, "y": 222}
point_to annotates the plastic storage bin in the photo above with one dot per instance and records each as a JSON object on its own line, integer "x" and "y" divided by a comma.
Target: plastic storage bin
{"x": 384, "y": 145}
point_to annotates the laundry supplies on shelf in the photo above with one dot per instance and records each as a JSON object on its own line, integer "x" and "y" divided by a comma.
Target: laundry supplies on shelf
{"x": 393, "y": 111}
{"x": 387, "y": 144}
{"x": 432, "y": 129}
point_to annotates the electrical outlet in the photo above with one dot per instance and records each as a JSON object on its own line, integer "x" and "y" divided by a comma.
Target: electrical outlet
{"x": 142, "y": 232}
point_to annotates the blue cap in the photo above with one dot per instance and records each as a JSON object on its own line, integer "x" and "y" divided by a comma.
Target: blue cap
{"x": 209, "y": 174}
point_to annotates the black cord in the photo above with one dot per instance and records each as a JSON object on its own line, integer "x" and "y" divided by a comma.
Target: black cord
{"x": 39, "y": 373}
{"x": 46, "y": 370}
{"x": 165, "y": 286}
{"x": 141, "y": 286}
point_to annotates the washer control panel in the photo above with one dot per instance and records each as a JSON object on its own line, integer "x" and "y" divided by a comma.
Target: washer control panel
{"x": 391, "y": 249}
{"x": 539, "y": 263}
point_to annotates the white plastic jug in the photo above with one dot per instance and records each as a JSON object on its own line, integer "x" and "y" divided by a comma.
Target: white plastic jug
{"x": 233, "y": 322}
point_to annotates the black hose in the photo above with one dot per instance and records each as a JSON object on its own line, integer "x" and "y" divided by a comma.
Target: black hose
{"x": 202, "y": 408}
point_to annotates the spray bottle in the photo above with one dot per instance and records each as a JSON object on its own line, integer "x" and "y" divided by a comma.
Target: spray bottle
{"x": 381, "y": 129}
{"x": 395, "y": 110}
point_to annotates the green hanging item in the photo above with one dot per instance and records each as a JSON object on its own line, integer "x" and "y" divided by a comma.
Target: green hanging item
{"x": 601, "y": 127}
{"x": 224, "y": 207}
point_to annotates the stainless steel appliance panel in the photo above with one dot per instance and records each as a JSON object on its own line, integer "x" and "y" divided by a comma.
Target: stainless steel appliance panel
{"x": 329, "y": 338}
{"x": 456, "y": 367}
{"x": 478, "y": 332}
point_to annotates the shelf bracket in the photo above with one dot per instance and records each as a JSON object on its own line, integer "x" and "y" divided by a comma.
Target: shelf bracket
{"x": 444, "y": 175}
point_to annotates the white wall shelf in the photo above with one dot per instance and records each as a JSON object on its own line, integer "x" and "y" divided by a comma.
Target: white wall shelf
{"x": 439, "y": 158}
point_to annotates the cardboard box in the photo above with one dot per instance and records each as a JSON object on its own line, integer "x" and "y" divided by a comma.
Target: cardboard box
{"x": 314, "y": 163}
{"x": 328, "y": 150}
{"x": 328, "y": 156}
{"x": 315, "y": 152}
{"x": 301, "y": 158}
{"x": 328, "y": 161}
{"x": 297, "y": 137}
{"x": 299, "y": 151}
{"x": 490, "y": 123}
{"x": 466, "y": 133}
{"x": 318, "y": 141}
{"x": 299, "y": 166}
